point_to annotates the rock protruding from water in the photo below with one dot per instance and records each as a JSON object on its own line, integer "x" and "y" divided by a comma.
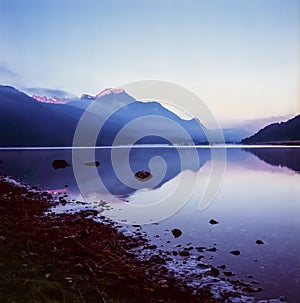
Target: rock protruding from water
{"x": 143, "y": 175}
{"x": 176, "y": 233}
{"x": 213, "y": 222}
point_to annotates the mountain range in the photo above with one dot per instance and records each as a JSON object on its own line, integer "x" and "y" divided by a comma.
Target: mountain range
{"x": 51, "y": 121}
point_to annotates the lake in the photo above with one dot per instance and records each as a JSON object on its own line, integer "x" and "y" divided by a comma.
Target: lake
{"x": 253, "y": 194}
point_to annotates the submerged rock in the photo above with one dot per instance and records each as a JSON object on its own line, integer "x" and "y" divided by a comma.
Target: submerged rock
{"x": 213, "y": 249}
{"x": 60, "y": 164}
{"x": 96, "y": 163}
{"x": 176, "y": 233}
{"x": 281, "y": 299}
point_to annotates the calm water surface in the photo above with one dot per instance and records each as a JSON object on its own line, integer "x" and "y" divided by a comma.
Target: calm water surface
{"x": 257, "y": 200}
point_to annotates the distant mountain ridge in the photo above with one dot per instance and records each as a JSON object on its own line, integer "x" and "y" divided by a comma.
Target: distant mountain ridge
{"x": 288, "y": 131}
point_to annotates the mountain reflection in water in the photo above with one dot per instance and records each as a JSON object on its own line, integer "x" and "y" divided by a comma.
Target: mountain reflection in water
{"x": 36, "y": 166}
{"x": 285, "y": 156}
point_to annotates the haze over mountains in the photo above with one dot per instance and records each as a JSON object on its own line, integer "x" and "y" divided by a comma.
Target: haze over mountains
{"x": 52, "y": 121}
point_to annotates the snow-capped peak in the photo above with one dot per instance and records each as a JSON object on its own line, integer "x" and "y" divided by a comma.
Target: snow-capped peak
{"x": 108, "y": 91}
{"x": 58, "y": 100}
{"x": 55, "y": 100}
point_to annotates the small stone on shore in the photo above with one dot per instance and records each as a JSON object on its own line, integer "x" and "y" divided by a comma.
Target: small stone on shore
{"x": 213, "y": 272}
{"x": 184, "y": 253}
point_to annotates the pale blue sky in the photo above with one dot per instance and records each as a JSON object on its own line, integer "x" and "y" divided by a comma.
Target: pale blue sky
{"x": 240, "y": 56}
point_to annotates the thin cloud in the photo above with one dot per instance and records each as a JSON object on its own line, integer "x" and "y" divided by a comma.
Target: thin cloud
{"x": 5, "y": 72}
{"x": 48, "y": 92}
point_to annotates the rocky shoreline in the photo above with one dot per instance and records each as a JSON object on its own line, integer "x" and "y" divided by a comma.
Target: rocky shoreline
{"x": 69, "y": 257}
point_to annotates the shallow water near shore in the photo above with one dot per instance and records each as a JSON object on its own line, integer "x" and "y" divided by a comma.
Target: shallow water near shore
{"x": 258, "y": 199}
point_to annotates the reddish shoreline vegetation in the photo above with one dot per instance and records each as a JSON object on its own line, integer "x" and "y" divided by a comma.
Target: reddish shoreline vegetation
{"x": 47, "y": 257}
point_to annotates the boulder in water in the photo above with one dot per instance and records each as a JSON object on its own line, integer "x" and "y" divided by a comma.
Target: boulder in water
{"x": 59, "y": 164}
{"x": 212, "y": 221}
{"x": 143, "y": 175}
{"x": 176, "y": 232}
